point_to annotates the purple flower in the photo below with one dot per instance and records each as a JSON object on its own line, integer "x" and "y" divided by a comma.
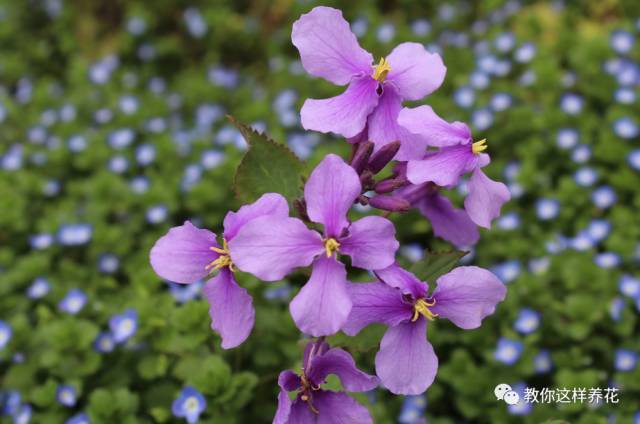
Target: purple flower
{"x": 315, "y": 404}
{"x": 270, "y": 247}
{"x": 406, "y": 362}
{"x": 374, "y": 95}
{"x": 187, "y": 254}
{"x": 457, "y": 156}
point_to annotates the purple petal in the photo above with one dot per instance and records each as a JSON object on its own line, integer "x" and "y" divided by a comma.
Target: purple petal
{"x": 443, "y": 167}
{"x": 466, "y": 295}
{"x": 384, "y": 128}
{"x": 423, "y": 120}
{"x": 345, "y": 114}
{"x": 406, "y": 362}
{"x": 270, "y": 247}
{"x": 312, "y": 349}
{"x": 450, "y": 223}
{"x": 267, "y": 204}
{"x": 375, "y": 303}
{"x": 300, "y": 413}
{"x": 183, "y": 253}
{"x": 371, "y": 243}
{"x": 485, "y": 198}
{"x": 332, "y": 188}
{"x": 397, "y": 277}
{"x": 414, "y": 71}
{"x": 339, "y": 408}
{"x": 328, "y": 49}
{"x": 284, "y": 408}
{"x": 231, "y": 311}
{"x": 289, "y": 381}
{"x": 337, "y": 361}
{"x": 322, "y": 305}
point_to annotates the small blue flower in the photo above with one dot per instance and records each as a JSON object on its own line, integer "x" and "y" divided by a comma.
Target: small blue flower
{"x": 157, "y": 85}
{"x": 515, "y": 189}
{"x": 413, "y": 408}
{"x": 625, "y": 360}
{"x": 223, "y": 77}
{"x": 501, "y": 101}
{"x": 73, "y": 302}
{"x": 386, "y": 32}
{"x": 51, "y": 188}
{"x": 581, "y": 153}
{"x": 67, "y": 113}
{"x": 542, "y": 362}
{"x": 108, "y": 263}
{"x": 128, "y": 104}
{"x": 124, "y": 326}
{"x": 629, "y": 286}
{"x": 525, "y": 53}
{"x": 145, "y": 154}
{"x": 157, "y": 214}
{"x": 139, "y": 184}
{"x": 511, "y": 170}
{"x": 66, "y": 395}
{"x": 625, "y": 96}
{"x": 412, "y": 251}
{"x": 547, "y": 209}
{"x": 585, "y": 176}
{"x": 482, "y": 119}
{"x": 539, "y": 266}
{"x": 11, "y": 401}
{"x": 41, "y": 241}
{"x": 185, "y": 292}
{"x": 192, "y": 176}
{"x": 136, "y": 25}
{"x": 103, "y": 115}
{"x": 420, "y": 27}
{"x": 603, "y": 197}
{"x": 38, "y": 288}
{"x": 118, "y": 164}
{"x": 528, "y": 78}
{"x": 104, "y": 343}
{"x": 615, "y": 308}
{"x": 79, "y": 418}
{"x": 479, "y": 80}
{"x": 598, "y": 229}
{"x": 77, "y": 143}
{"x": 508, "y": 351}
{"x": 621, "y": 41}
{"x": 5, "y": 334}
{"x": 507, "y": 271}
{"x": 567, "y": 138}
{"x": 509, "y": 221}
{"x": 189, "y": 405}
{"x": 571, "y": 103}
{"x": 527, "y": 321}
{"x": 23, "y": 416}
{"x": 196, "y": 24}
{"x": 522, "y": 407}
{"x": 557, "y": 244}
{"x": 582, "y": 242}
{"x": 634, "y": 159}
{"x": 359, "y": 26}
{"x": 505, "y": 42}
{"x": 464, "y": 97}
{"x": 607, "y": 260}
{"x": 303, "y": 144}
{"x": 74, "y": 234}
{"x": 626, "y": 128}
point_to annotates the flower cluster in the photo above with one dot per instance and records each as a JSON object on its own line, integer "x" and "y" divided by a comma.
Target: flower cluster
{"x": 429, "y": 156}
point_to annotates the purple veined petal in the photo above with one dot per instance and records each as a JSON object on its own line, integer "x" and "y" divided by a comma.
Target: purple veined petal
{"x": 406, "y": 362}
{"x": 384, "y": 128}
{"x": 183, "y": 253}
{"x": 371, "y": 243}
{"x": 289, "y": 381}
{"x": 337, "y": 361}
{"x": 415, "y": 72}
{"x": 339, "y": 408}
{"x": 270, "y": 247}
{"x": 397, "y": 277}
{"x": 332, "y": 188}
{"x": 267, "y": 204}
{"x": 375, "y": 303}
{"x": 313, "y": 349}
{"x": 466, "y": 295}
{"x": 300, "y": 413}
{"x": 328, "y": 49}
{"x": 345, "y": 114}
{"x": 448, "y": 222}
{"x": 438, "y": 132}
{"x": 231, "y": 309}
{"x": 485, "y": 198}
{"x": 322, "y": 306}
{"x": 284, "y": 408}
{"x": 444, "y": 167}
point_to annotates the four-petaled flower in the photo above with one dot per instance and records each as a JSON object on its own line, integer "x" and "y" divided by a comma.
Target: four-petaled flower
{"x": 187, "y": 254}
{"x": 370, "y": 105}
{"x": 271, "y": 246}
{"x": 313, "y": 403}
{"x": 189, "y": 405}
{"x": 406, "y": 362}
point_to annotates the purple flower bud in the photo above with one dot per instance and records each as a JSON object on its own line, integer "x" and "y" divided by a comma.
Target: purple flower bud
{"x": 383, "y": 156}
{"x": 388, "y": 185}
{"x": 300, "y": 206}
{"x": 390, "y": 203}
{"x": 361, "y": 156}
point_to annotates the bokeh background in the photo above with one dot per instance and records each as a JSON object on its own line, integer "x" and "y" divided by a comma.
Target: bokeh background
{"x": 112, "y": 130}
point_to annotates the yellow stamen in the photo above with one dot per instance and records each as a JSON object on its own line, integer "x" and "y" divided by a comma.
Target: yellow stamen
{"x": 224, "y": 260}
{"x": 381, "y": 70}
{"x": 479, "y": 146}
{"x": 331, "y": 245}
{"x": 421, "y": 307}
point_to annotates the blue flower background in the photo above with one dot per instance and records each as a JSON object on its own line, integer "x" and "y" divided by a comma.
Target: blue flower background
{"x": 113, "y": 129}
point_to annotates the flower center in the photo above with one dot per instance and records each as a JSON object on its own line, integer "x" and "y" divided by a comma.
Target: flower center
{"x": 191, "y": 404}
{"x": 306, "y": 388}
{"x": 223, "y": 260}
{"x": 421, "y": 307}
{"x": 479, "y": 146}
{"x": 381, "y": 70}
{"x": 331, "y": 245}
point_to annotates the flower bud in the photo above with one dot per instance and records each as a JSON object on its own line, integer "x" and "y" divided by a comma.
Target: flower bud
{"x": 380, "y": 159}
{"x": 390, "y": 203}
{"x": 388, "y": 185}
{"x": 300, "y": 207}
{"x": 361, "y": 156}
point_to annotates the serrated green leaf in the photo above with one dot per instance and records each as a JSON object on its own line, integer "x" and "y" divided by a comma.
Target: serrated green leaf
{"x": 267, "y": 167}
{"x": 435, "y": 264}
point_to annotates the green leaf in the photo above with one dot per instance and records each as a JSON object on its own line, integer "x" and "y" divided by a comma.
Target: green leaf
{"x": 267, "y": 167}
{"x": 435, "y": 264}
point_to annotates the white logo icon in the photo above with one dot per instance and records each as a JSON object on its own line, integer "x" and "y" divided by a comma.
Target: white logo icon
{"x": 505, "y": 392}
